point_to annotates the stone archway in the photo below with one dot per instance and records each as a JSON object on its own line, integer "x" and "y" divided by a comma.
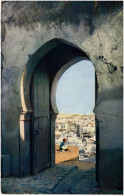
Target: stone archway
{"x": 55, "y": 56}
{"x": 97, "y": 32}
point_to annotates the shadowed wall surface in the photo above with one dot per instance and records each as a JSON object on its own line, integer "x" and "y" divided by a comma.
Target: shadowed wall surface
{"x": 92, "y": 30}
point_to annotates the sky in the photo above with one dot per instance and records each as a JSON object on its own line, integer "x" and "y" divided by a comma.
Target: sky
{"x": 75, "y": 92}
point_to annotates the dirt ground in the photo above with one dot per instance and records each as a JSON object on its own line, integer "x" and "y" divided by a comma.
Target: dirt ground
{"x": 71, "y": 158}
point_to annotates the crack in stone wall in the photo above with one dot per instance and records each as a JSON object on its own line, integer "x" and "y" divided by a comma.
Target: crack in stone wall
{"x": 110, "y": 66}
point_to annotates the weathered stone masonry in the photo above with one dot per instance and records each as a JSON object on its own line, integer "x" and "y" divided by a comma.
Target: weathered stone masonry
{"x": 56, "y": 33}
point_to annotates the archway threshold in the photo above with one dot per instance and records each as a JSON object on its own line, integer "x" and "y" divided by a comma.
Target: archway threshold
{"x": 56, "y": 180}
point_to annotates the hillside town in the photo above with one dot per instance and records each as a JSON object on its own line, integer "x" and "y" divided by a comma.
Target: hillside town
{"x": 79, "y": 130}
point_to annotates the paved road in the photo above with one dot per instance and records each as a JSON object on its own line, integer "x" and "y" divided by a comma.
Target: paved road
{"x": 56, "y": 180}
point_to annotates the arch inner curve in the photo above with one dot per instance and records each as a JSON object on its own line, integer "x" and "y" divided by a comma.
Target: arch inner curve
{"x": 55, "y": 56}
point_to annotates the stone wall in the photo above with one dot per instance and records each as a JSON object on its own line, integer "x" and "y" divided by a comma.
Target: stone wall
{"x": 95, "y": 28}
{"x": 79, "y": 130}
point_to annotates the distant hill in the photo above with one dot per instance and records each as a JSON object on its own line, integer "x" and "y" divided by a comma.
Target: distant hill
{"x": 60, "y": 115}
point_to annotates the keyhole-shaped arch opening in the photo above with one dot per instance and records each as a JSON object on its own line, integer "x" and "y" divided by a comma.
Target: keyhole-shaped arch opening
{"x": 75, "y": 89}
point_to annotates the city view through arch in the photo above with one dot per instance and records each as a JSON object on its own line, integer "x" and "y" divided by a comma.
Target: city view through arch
{"x": 75, "y": 100}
